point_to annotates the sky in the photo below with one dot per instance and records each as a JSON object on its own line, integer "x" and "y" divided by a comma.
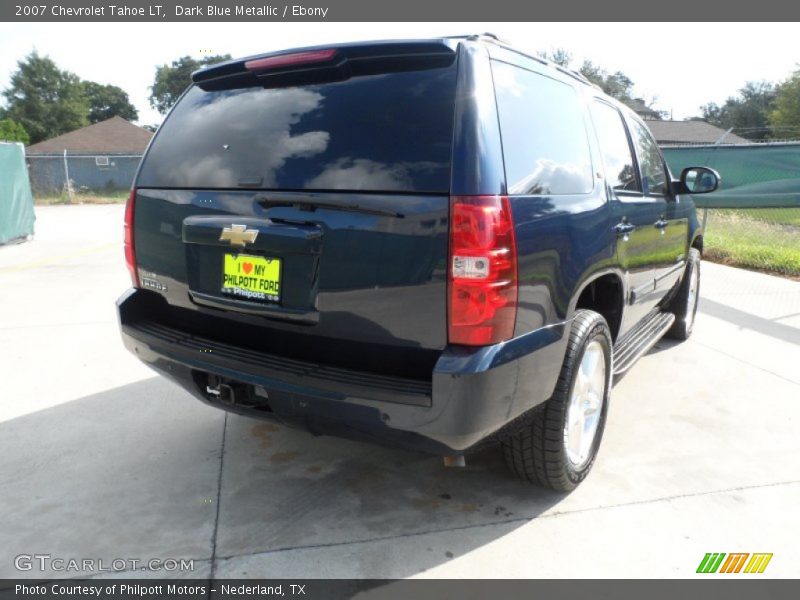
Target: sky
{"x": 679, "y": 65}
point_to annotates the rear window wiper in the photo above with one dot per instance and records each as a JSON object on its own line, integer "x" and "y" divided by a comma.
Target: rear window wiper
{"x": 312, "y": 205}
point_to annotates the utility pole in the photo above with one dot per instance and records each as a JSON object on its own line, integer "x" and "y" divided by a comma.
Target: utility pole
{"x": 67, "y": 183}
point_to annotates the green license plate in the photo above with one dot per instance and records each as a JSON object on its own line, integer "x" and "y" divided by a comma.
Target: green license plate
{"x": 252, "y": 277}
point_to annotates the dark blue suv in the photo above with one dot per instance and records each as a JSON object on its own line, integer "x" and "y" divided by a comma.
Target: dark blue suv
{"x": 433, "y": 243}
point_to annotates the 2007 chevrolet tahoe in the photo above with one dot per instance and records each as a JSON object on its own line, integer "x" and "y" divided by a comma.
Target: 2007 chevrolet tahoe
{"x": 433, "y": 243}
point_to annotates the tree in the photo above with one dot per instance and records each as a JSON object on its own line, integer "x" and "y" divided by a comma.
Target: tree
{"x": 617, "y": 84}
{"x": 712, "y": 113}
{"x": 172, "y": 80}
{"x": 11, "y": 131}
{"x": 45, "y": 100}
{"x": 785, "y": 117}
{"x": 620, "y": 86}
{"x": 106, "y": 101}
{"x": 559, "y": 56}
{"x": 748, "y": 113}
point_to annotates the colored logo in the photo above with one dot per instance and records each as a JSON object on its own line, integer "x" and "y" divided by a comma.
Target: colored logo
{"x": 719, "y": 562}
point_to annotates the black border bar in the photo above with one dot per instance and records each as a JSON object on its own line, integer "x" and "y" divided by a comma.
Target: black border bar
{"x": 452, "y": 11}
{"x": 707, "y": 587}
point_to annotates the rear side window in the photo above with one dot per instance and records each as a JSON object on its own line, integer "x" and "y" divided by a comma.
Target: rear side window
{"x": 615, "y": 148}
{"x": 545, "y": 146}
{"x": 654, "y": 177}
{"x": 384, "y": 132}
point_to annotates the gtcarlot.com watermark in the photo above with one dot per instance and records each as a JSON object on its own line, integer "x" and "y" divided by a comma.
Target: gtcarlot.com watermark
{"x": 47, "y": 562}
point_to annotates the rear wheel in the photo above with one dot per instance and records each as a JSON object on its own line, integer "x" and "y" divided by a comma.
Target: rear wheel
{"x": 684, "y": 304}
{"x": 558, "y": 447}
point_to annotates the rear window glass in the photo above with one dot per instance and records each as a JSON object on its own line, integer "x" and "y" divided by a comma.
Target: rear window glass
{"x": 386, "y": 132}
{"x": 545, "y": 146}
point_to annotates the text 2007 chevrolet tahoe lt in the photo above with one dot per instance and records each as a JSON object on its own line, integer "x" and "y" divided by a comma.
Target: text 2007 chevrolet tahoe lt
{"x": 432, "y": 243}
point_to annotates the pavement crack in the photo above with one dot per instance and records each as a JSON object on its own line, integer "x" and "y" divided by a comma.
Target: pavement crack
{"x": 213, "y": 567}
{"x": 675, "y": 497}
{"x": 521, "y": 519}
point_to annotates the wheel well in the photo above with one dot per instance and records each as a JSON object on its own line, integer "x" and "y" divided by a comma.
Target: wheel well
{"x": 604, "y": 296}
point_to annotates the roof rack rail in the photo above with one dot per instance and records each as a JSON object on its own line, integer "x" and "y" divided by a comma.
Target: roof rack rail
{"x": 578, "y": 75}
{"x": 494, "y": 36}
{"x": 477, "y": 36}
{"x": 506, "y": 44}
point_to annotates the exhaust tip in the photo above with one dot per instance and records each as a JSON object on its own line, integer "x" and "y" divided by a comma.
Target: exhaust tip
{"x": 455, "y": 461}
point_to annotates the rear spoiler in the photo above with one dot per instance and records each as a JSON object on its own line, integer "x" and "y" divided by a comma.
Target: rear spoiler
{"x": 326, "y": 63}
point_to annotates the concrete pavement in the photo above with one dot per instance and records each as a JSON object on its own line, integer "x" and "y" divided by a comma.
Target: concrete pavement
{"x": 102, "y": 459}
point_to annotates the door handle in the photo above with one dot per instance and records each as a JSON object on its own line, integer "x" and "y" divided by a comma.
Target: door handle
{"x": 624, "y": 228}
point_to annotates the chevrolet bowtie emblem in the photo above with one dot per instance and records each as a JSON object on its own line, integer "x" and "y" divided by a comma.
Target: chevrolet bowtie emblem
{"x": 238, "y": 235}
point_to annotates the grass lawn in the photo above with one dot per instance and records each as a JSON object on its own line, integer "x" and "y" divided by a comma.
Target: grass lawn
{"x": 113, "y": 197}
{"x": 778, "y": 216}
{"x": 762, "y": 239}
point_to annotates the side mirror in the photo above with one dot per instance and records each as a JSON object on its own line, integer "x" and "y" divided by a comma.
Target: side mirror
{"x": 698, "y": 180}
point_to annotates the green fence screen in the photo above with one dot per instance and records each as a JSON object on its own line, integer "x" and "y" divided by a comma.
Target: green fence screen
{"x": 753, "y": 175}
{"x": 16, "y": 202}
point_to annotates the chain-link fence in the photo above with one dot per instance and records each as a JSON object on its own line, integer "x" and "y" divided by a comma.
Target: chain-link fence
{"x": 81, "y": 177}
{"x": 753, "y": 220}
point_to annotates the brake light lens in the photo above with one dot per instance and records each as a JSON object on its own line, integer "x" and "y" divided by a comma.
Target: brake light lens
{"x": 482, "y": 281}
{"x": 290, "y": 60}
{"x": 130, "y": 252}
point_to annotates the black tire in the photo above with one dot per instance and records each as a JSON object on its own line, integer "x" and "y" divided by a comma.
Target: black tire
{"x": 682, "y": 305}
{"x": 537, "y": 453}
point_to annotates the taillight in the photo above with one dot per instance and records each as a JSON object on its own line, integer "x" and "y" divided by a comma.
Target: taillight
{"x": 290, "y": 60}
{"x": 130, "y": 251}
{"x": 482, "y": 281}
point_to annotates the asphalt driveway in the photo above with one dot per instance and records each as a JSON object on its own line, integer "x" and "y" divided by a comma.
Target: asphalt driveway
{"x": 102, "y": 459}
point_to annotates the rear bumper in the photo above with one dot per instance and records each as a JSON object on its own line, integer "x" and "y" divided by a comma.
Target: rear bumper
{"x": 473, "y": 392}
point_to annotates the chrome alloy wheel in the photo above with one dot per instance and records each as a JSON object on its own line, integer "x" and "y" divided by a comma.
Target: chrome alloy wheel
{"x": 585, "y": 405}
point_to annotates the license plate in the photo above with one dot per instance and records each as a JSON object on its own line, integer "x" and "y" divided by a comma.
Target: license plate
{"x": 252, "y": 277}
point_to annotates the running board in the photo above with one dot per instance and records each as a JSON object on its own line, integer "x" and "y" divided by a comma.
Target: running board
{"x": 640, "y": 339}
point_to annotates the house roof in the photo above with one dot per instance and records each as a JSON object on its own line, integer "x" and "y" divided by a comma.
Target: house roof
{"x": 691, "y": 132}
{"x": 112, "y": 136}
